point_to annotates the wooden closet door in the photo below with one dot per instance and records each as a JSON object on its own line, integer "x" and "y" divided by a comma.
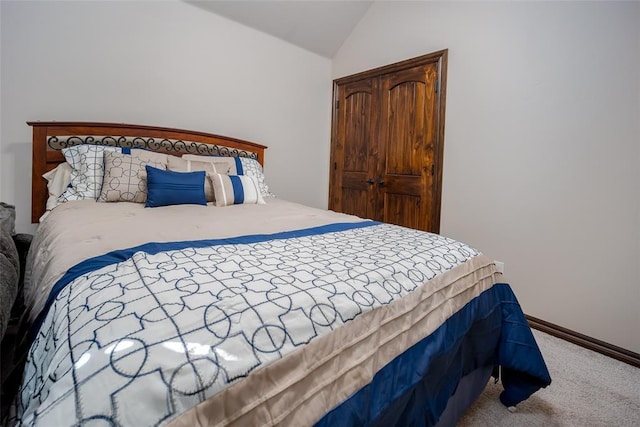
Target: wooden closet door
{"x": 387, "y": 142}
{"x": 354, "y": 150}
{"x": 407, "y": 134}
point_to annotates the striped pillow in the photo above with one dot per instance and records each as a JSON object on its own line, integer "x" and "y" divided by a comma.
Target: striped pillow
{"x": 235, "y": 190}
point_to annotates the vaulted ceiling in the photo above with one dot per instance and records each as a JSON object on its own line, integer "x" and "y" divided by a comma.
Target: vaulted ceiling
{"x": 318, "y": 26}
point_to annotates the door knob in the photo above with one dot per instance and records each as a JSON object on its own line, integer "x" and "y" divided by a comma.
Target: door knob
{"x": 381, "y": 182}
{"x": 370, "y": 181}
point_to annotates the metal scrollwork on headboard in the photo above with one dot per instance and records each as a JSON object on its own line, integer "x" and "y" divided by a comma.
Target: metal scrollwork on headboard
{"x": 155, "y": 144}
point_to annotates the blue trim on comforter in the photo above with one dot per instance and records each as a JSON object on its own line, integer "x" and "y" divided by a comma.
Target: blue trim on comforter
{"x": 153, "y": 248}
{"x": 413, "y": 389}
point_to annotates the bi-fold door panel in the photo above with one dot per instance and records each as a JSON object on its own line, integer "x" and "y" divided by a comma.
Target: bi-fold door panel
{"x": 408, "y": 114}
{"x": 354, "y": 150}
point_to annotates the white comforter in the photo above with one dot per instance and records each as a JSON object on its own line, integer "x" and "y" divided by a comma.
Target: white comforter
{"x": 93, "y": 229}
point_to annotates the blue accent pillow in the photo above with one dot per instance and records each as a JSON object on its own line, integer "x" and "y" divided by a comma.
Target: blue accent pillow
{"x": 166, "y": 187}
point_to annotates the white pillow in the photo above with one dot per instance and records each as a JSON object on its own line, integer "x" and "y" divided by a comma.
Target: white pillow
{"x": 87, "y": 162}
{"x": 58, "y": 180}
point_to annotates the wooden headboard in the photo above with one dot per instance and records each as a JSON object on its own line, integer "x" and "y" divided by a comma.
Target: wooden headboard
{"x": 51, "y": 137}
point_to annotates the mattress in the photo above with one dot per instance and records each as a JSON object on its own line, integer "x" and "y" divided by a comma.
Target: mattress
{"x": 275, "y": 314}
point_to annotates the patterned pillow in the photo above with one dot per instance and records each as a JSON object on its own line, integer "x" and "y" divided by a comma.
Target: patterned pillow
{"x": 178, "y": 164}
{"x": 237, "y": 166}
{"x": 236, "y": 190}
{"x": 166, "y": 188}
{"x": 125, "y": 176}
{"x": 87, "y": 162}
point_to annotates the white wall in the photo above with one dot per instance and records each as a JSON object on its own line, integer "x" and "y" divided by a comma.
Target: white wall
{"x": 167, "y": 64}
{"x": 542, "y": 144}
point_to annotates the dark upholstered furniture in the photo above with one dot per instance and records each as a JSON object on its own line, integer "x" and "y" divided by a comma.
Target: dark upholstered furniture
{"x": 13, "y": 253}
{"x": 9, "y": 277}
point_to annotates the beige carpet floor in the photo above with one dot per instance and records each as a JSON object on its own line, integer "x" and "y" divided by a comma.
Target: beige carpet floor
{"x": 587, "y": 389}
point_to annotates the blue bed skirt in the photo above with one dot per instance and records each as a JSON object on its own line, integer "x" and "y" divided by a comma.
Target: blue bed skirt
{"x": 414, "y": 388}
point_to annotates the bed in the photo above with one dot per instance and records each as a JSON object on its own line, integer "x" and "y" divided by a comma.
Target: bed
{"x": 245, "y": 309}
